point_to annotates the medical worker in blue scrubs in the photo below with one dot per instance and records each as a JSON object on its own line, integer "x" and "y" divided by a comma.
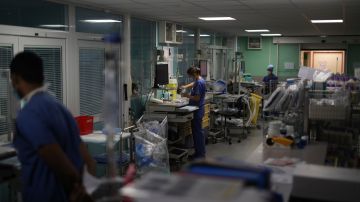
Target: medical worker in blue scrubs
{"x": 270, "y": 80}
{"x": 47, "y": 139}
{"x": 197, "y": 98}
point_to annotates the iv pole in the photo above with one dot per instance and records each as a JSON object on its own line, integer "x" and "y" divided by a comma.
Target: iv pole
{"x": 238, "y": 68}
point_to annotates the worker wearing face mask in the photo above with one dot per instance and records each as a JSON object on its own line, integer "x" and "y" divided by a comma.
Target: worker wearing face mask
{"x": 270, "y": 80}
{"x": 47, "y": 139}
{"x": 197, "y": 98}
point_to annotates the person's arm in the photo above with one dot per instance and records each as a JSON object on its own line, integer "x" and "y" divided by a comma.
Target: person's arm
{"x": 58, "y": 162}
{"x": 65, "y": 172}
{"x": 264, "y": 79}
{"x": 192, "y": 97}
{"x": 88, "y": 160}
{"x": 190, "y": 85}
{"x": 276, "y": 78}
{"x": 38, "y": 134}
{"x": 197, "y": 93}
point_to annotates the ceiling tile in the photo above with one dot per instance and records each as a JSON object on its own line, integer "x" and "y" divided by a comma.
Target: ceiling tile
{"x": 315, "y": 3}
{"x": 289, "y": 17}
{"x": 335, "y": 13}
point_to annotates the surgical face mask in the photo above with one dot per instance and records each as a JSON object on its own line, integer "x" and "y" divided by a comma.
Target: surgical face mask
{"x": 16, "y": 94}
{"x": 22, "y": 103}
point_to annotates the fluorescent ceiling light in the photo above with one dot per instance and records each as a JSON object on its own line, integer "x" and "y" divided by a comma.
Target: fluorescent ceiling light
{"x": 327, "y": 21}
{"x": 201, "y": 35}
{"x": 270, "y": 34}
{"x": 216, "y": 18}
{"x": 53, "y": 26}
{"x": 101, "y": 21}
{"x": 257, "y": 30}
{"x": 181, "y": 31}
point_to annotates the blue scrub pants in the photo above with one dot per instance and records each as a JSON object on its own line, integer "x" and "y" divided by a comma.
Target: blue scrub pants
{"x": 198, "y": 133}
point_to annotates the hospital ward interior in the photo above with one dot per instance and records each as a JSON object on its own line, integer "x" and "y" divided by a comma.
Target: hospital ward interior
{"x": 179, "y": 100}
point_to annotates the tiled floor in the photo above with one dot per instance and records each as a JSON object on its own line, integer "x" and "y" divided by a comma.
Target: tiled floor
{"x": 237, "y": 151}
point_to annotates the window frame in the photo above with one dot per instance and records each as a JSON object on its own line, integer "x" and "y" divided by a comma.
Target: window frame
{"x": 89, "y": 44}
{"x": 50, "y": 43}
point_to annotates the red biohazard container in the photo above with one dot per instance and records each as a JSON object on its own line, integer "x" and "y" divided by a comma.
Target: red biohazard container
{"x": 85, "y": 124}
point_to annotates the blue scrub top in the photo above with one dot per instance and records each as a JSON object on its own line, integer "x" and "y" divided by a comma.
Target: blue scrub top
{"x": 45, "y": 121}
{"x": 199, "y": 88}
{"x": 269, "y": 78}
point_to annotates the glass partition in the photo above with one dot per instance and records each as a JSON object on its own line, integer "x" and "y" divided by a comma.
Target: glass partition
{"x": 143, "y": 43}
{"x": 97, "y": 22}
{"x": 34, "y": 13}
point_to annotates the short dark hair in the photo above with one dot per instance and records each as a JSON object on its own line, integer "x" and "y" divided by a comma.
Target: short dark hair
{"x": 28, "y": 66}
{"x": 193, "y": 70}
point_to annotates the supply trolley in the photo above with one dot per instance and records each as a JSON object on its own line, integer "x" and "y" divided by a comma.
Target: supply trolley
{"x": 236, "y": 114}
{"x": 283, "y": 114}
{"x": 329, "y": 116}
{"x": 150, "y": 143}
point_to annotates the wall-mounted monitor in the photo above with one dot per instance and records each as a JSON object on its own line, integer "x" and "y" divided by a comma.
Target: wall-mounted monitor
{"x": 161, "y": 74}
{"x": 203, "y": 67}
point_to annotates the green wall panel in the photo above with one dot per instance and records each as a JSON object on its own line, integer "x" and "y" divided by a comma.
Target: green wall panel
{"x": 288, "y": 53}
{"x": 256, "y": 61}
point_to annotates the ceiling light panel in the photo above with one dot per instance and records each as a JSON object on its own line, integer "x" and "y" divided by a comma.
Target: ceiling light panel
{"x": 271, "y": 34}
{"x": 327, "y": 21}
{"x": 257, "y": 30}
{"x": 216, "y": 18}
{"x": 101, "y": 21}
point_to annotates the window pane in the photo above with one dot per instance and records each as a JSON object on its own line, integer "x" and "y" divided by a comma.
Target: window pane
{"x": 92, "y": 83}
{"x": 143, "y": 35}
{"x": 34, "y": 13}
{"x": 52, "y": 61}
{"x": 92, "y": 21}
{"x": 186, "y": 55}
{"x": 6, "y": 54}
{"x": 207, "y": 38}
{"x": 220, "y": 41}
{"x": 92, "y": 65}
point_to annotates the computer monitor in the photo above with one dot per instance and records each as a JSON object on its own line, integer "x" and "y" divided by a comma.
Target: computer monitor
{"x": 203, "y": 67}
{"x": 161, "y": 74}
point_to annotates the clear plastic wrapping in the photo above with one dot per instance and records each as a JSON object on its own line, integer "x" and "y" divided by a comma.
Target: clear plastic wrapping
{"x": 153, "y": 126}
{"x": 286, "y": 98}
{"x": 156, "y": 123}
{"x": 330, "y": 106}
{"x": 339, "y": 98}
{"x": 151, "y": 152}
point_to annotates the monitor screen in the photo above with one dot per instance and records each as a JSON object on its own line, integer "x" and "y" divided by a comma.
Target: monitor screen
{"x": 161, "y": 74}
{"x": 203, "y": 67}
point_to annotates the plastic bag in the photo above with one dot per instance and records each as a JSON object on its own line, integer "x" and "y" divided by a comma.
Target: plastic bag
{"x": 151, "y": 152}
{"x": 153, "y": 126}
{"x": 157, "y": 124}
